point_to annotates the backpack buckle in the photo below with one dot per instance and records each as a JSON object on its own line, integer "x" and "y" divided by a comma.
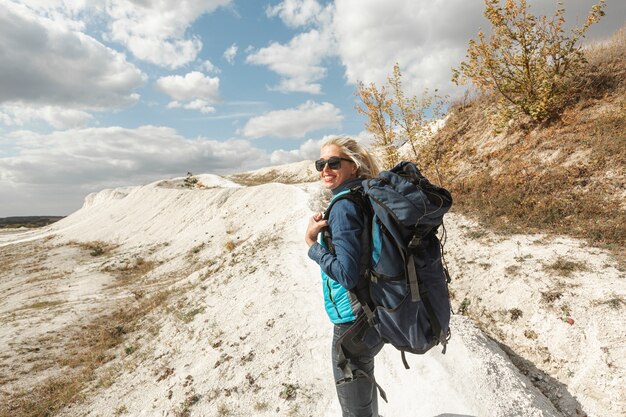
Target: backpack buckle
{"x": 415, "y": 242}
{"x": 369, "y": 314}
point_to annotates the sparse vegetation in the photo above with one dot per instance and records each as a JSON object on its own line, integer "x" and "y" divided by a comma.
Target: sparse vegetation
{"x": 530, "y": 334}
{"x": 261, "y": 406}
{"x": 614, "y": 302}
{"x": 95, "y": 248}
{"x": 294, "y": 410}
{"x": 464, "y": 306}
{"x": 128, "y": 269}
{"x": 512, "y": 269}
{"x": 380, "y": 121}
{"x": 515, "y": 313}
{"x": 564, "y": 177}
{"x": 107, "y": 377}
{"x": 476, "y": 233}
{"x": 120, "y": 410}
{"x": 194, "y": 251}
{"x": 565, "y": 267}
{"x": 190, "y": 181}
{"x": 289, "y": 391}
{"x": 280, "y": 176}
{"x": 230, "y": 245}
{"x": 527, "y": 61}
{"x": 42, "y": 304}
{"x": 189, "y": 315}
{"x": 185, "y": 407}
{"x": 551, "y": 296}
{"x": 91, "y": 346}
{"x": 223, "y": 410}
{"x": 394, "y": 118}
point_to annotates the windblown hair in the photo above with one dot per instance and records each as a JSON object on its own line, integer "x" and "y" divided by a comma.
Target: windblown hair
{"x": 365, "y": 162}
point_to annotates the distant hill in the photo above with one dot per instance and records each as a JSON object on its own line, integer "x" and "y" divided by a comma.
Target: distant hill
{"x": 27, "y": 221}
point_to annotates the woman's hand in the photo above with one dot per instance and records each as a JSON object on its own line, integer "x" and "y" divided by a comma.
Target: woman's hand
{"x": 316, "y": 223}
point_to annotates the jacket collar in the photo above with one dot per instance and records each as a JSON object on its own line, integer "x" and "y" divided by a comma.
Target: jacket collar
{"x": 347, "y": 185}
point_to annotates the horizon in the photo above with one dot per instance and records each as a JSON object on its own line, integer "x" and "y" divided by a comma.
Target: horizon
{"x": 116, "y": 93}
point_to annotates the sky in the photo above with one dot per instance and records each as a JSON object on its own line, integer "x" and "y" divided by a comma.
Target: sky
{"x": 99, "y": 94}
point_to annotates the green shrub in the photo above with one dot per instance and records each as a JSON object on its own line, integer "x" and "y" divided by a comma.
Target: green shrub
{"x": 526, "y": 61}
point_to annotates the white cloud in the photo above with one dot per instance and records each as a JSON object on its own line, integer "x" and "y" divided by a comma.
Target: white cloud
{"x": 423, "y": 39}
{"x": 58, "y": 117}
{"x": 156, "y": 31}
{"x": 208, "y": 66}
{"x": 200, "y": 105}
{"x": 46, "y": 65}
{"x": 230, "y": 53}
{"x": 280, "y": 157}
{"x": 298, "y": 62}
{"x": 295, "y": 13}
{"x": 54, "y": 172}
{"x": 308, "y": 150}
{"x": 311, "y": 148}
{"x": 294, "y": 123}
{"x": 71, "y": 13}
{"x": 196, "y": 88}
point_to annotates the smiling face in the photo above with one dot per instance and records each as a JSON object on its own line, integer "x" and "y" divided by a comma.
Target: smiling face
{"x": 332, "y": 178}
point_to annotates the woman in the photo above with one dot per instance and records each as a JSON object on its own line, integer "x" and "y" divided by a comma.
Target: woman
{"x": 344, "y": 164}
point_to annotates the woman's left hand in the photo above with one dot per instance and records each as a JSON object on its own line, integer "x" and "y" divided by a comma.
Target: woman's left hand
{"x": 316, "y": 224}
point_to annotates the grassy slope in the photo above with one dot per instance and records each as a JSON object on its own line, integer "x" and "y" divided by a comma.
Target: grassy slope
{"x": 568, "y": 176}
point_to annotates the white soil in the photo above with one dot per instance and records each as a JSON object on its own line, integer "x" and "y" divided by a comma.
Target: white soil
{"x": 245, "y": 333}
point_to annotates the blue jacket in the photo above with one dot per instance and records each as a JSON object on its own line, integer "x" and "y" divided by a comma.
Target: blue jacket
{"x": 341, "y": 271}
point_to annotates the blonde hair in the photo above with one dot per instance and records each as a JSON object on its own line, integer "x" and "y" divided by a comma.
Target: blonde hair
{"x": 367, "y": 167}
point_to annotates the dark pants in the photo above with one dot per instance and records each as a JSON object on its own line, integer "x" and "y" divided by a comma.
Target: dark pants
{"x": 359, "y": 397}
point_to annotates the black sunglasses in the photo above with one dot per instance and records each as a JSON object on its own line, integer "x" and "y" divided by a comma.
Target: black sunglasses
{"x": 334, "y": 162}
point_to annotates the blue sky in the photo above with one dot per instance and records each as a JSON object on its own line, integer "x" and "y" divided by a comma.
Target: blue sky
{"x": 104, "y": 93}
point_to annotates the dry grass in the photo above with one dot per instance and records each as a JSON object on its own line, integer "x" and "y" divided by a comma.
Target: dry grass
{"x": 96, "y": 247}
{"x": 128, "y": 273}
{"x": 565, "y": 177}
{"x": 89, "y": 347}
{"x": 273, "y": 175}
{"x": 615, "y": 302}
{"x": 46, "y": 277}
{"x": 605, "y": 71}
{"x": 42, "y": 305}
{"x": 564, "y": 267}
{"x": 251, "y": 180}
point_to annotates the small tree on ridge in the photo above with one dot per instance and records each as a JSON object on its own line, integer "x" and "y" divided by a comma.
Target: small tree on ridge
{"x": 526, "y": 59}
{"x": 396, "y": 119}
{"x": 380, "y": 120}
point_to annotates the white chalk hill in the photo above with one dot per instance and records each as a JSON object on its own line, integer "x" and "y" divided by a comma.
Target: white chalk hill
{"x": 245, "y": 333}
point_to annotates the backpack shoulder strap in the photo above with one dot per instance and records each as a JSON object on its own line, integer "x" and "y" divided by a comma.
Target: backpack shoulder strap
{"x": 357, "y": 196}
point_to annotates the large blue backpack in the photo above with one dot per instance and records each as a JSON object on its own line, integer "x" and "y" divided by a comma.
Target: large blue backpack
{"x": 404, "y": 292}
